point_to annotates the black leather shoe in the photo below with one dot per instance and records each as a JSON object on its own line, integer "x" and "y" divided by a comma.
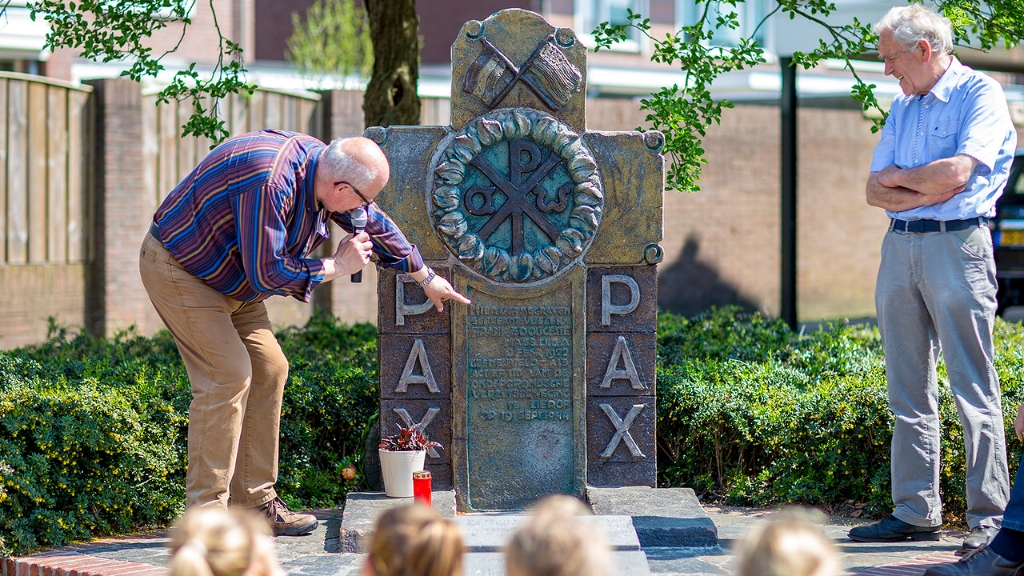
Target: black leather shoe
{"x": 979, "y": 537}
{"x": 892, "y": 529}
{"x": 978, "y": 562}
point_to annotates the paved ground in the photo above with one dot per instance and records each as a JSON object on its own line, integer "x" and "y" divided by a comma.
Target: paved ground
{"x": 314, "y": 555}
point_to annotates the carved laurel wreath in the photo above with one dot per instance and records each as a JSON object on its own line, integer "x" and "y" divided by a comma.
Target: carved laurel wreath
{"x": 495, "y": 262}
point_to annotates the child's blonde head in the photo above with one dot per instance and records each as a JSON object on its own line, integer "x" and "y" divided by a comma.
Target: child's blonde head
{"x": 554, "y": 541}
{"x": 415, "y": 541}
{"x": 790, "y": 545}
{"x": 222, "y": 542}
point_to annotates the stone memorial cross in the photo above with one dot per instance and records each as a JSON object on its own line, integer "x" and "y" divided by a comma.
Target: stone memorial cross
{"x": 546, "y": 382}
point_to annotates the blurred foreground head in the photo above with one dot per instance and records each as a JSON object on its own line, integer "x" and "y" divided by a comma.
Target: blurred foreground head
{"x": 555, "y": 541}
{"x": 414, "y": 541}
{"x": 790, "y": 545}
{"x": 219, "y": 541}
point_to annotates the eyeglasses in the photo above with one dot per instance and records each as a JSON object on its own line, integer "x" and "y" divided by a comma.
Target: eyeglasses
{"x": 366, "y": 203}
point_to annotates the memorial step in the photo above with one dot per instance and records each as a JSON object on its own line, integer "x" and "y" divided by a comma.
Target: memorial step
{"x": 487, "y": 532}
{"x": 662, "y": 517}
{"x": 632, "y": 563}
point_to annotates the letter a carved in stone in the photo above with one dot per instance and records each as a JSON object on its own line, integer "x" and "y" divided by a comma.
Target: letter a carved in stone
{"x": 622, "y": 430}
{"x": 418, "y": 355}
{"x": 607, "y": 308}
{"x": 628, "y": 371}
{"x": 421, "y": 425}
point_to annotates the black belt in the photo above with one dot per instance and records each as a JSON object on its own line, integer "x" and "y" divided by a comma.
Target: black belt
{"x": 155, "y": 232}
{"x": 919, "y": 226}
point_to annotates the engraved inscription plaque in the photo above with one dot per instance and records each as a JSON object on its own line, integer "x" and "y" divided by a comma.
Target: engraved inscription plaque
{"x": 523, "y": 393}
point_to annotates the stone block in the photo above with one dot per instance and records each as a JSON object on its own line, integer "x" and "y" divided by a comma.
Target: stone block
{"x": 490, "y": 532}
{"x": 622, "y": 299}
{"x": 518, "y": 393}
{"x": 408, "y": 150}
{"x": 620, "y": 441}
{"x": 362, "y": 508}
{"x": 416, "y": 314}
{"x": 663, "y": 517}
{"x": 415, "y": 366}
{"x": 517, "y": 35}
{"x": 633, "y": 173}
{"x": 633, "y": 563}
{"x": 621, "y": 364}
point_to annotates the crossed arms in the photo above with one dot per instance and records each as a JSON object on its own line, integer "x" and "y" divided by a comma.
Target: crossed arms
{"x": 898, "y": 189}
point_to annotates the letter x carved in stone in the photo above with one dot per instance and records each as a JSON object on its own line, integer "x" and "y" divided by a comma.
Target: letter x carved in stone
{"x": 421, "y": 425}
{"x": 516, "y": 191}
{"x": 622, "y": 430}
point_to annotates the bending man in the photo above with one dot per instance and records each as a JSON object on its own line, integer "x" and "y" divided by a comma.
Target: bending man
{"x": 237, "y": 230}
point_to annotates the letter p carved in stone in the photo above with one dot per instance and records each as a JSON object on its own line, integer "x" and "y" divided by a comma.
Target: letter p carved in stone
{"x": 403, "y": 309}
{"x": 607, "y": 308}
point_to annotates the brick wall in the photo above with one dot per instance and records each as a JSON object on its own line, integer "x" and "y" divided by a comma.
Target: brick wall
{"x": 116, "y": 298}
{"x": 31, "y": 294}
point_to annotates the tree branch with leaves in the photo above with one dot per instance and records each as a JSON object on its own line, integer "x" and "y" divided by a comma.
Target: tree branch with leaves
{"x": 118, "y": 31}
{"x": 684, "y": 113}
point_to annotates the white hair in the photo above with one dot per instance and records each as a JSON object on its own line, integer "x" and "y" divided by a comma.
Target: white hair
{"x": 337, "y": 164}
{"x": 911, "y": 24}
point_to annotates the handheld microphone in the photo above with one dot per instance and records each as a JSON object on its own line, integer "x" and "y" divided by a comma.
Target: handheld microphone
{"x": 358, "y": 216}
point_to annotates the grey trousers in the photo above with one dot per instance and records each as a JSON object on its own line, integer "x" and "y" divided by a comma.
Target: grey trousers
{"x": 937, "y": 289}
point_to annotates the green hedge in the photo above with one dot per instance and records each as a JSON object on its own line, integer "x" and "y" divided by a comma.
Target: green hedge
{"x": 92, "y": 432}
{"x": 751, "y": 413}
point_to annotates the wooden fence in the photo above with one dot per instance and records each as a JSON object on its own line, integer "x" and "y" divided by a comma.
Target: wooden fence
{"x": 169, "y": 157}
{"x": 45, "y": 142}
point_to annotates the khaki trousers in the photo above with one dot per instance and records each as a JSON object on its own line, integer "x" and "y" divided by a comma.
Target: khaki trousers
{"x": 938, "y": 289}
{"x": 237, "y": 372}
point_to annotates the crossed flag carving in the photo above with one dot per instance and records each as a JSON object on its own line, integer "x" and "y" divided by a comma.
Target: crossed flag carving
{"x": 547, "y": 73}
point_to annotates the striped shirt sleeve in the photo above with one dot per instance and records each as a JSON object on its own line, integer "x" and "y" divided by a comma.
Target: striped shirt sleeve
{"x": 389, "y": 243}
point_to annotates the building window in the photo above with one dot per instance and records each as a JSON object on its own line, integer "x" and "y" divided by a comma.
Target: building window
{"x": 590, "y": 13}
{"x": 749, "y": 14}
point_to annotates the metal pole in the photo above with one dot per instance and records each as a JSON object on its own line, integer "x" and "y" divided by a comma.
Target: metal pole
{"x": 788, "y": 107}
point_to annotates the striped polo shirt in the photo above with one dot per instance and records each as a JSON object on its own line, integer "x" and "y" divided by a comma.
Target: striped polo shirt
{"x": 246, "y": 218}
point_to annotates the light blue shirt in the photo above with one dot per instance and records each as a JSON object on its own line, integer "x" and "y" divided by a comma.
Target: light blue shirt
{"x": 964, "y": 113}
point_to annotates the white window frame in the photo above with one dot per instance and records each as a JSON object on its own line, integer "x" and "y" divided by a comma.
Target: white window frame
{"x": 585, "y": 22}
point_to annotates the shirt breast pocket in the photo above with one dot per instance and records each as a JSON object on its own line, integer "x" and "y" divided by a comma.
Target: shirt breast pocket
{"x": 942, "y": 140}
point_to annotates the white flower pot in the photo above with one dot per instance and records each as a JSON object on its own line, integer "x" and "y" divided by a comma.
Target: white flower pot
{"x": 397, "y": 469}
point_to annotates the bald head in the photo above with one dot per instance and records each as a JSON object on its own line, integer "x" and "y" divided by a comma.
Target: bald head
{"x": 358, "y": 161}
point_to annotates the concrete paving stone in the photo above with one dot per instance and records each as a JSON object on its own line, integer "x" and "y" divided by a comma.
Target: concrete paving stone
{"x": 490, "y": 532}
{"x": 325, "y": 565}
{"x": 663, "y": 517}
{"x": 670, "y": 561}
{"x": 362, "y": 508}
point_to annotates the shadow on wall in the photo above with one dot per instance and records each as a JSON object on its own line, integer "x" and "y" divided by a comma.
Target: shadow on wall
{"x": 689, "y": 286}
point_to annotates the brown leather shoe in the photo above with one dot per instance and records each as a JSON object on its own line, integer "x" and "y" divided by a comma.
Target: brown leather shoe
{"x": 284, "y": 522}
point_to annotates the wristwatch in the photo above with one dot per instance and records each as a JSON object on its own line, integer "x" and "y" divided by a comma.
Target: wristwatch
{"x": 430, "y": 277}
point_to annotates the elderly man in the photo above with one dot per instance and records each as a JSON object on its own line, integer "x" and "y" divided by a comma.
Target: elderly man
{"x": 238, "y": 229}
{"x": 942, "y": 162}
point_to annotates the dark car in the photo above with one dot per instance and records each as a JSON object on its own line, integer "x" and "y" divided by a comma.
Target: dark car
{"x": 1008, "y": 239}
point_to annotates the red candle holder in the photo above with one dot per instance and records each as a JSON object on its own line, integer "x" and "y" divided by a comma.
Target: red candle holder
{"x": 421, "y": 487}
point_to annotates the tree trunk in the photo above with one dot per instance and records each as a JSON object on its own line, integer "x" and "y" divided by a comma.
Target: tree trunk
{"x": 391, "y": 94}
